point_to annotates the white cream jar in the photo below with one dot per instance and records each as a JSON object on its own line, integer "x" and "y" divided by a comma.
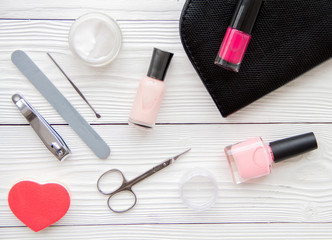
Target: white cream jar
{"x": 95, "y": 38}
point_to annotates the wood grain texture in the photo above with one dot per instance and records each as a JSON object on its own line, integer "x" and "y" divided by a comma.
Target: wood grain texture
{"x": 119, "y": 9}
{"x": 298, "y": 190}
{"x": 294, "y": 202}
{"x": 111, "y": 89}
{"x": 179, "y": 232}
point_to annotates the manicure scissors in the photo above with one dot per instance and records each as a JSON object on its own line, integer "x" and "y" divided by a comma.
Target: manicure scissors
{"x": 125, "y": 186}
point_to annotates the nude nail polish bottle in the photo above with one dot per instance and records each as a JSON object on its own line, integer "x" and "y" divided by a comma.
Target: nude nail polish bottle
{"x": 151, "y": 91}
{"x": 253, "y": 158}
{"x": 238, "y": 35}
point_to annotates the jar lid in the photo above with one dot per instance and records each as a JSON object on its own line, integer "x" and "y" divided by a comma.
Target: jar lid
{"x": 198, "y": 189}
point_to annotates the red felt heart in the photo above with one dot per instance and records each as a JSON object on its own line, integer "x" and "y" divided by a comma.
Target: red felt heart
{"x": 38, "y": 205}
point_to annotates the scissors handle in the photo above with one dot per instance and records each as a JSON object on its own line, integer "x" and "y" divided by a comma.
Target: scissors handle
{"x": 122, "y": 204}
{"x": 119, "y": 182}
{"x": 121, "y": 197}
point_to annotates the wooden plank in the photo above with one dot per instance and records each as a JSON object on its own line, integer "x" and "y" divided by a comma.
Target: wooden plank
{"x": 111, "y": 89}
{"x": 277, "y": 231}
{"x": 298, "y": 190}
{"x": 119, "y": 9}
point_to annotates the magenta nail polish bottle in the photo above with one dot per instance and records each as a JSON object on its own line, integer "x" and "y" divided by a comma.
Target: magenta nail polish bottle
{"x": 238, "y": 35}
{"x": 150, "y": 91}
{"x": 253, "y": 158}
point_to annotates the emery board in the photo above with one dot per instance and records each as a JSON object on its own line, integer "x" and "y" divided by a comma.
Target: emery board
{"x": 60, "y": 104}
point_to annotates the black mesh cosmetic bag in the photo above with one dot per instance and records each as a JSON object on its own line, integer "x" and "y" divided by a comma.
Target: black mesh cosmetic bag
{"x": 289, "y": 38}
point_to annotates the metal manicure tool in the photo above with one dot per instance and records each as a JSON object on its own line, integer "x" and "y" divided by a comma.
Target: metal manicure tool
{"x": 122, "y": 185}
{"x": 44, "y": 130}
{"x": 74, "y": 86}
{"x": 41, "y": 82}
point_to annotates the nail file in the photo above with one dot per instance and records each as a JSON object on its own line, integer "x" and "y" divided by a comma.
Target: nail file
{"x": 60, "y": 104}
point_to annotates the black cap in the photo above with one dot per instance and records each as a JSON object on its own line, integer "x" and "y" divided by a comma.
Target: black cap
{"x": 159, "y": 64}
{"x": 290, "y": 147}
{"x": 245, "y": 15}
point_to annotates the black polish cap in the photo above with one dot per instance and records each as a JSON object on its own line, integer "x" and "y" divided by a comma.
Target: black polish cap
{"x": 290, "y": 147}
{"x": 245, "y": 15}
{"x": 159, "y": 64}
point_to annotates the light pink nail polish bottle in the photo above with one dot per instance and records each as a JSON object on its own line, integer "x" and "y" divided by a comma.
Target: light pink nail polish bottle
{"x": 253, "y": 158}
{"x": 151, "y": 91}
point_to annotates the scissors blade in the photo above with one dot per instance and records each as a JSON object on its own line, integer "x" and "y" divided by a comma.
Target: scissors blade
{"x": 171, "y": 160}
{"x": 179, "y": 155}
{"x": 150, "y": 172}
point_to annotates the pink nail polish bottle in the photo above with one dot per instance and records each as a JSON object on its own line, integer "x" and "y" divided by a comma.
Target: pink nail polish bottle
{"x": 253, "y": 158}
{"x": 151, "y": 91}
{"x": 237, "y": 37}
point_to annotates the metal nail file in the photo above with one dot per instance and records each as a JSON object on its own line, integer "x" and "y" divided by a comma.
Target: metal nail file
{"x": 60, "y": 104}
{"x": 51, "y": 139}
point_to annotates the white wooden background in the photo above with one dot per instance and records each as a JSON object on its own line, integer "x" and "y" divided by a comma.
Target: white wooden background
{"x": 294, "y": 202}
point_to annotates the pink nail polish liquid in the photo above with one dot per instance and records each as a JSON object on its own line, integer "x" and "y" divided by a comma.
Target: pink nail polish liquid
{"x": 147, "y": 102}
{"x": 234, "y": 46}
{"x": 254, "y": 158}
{"x": 151, "y": 91}
{"x": 237, "y": 37}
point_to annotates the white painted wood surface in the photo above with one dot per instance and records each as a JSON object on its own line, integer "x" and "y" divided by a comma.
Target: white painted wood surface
{"x": 294, "y": 202}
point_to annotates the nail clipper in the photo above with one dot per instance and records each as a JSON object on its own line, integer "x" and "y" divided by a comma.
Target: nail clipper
{"x": 44, "y": 130}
